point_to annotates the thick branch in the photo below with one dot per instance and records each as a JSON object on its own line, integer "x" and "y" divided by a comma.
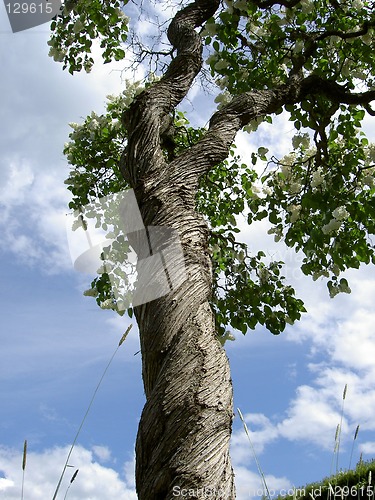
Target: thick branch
{"x": 224, "y": 125}
{"x": 149, "y": 112}
{"x": 350, "y": 34}
{"x": 336, "y": 93}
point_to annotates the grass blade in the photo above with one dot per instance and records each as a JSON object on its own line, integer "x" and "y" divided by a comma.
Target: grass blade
{"x": 23, "y": 465}
{"x": 351, "y": 453}
{"x": 73, "y": 478}
{"x": 254, "y": 454}
{"x": 87, "y": 411}
{"x": 339, "y": 436}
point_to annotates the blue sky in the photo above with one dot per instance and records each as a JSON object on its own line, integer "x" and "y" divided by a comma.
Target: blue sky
{"x": 55, "y": 343}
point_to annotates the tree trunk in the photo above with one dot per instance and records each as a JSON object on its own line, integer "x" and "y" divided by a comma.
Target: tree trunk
{"x": 185, "y": 428}
{"x": 182, "y": 446}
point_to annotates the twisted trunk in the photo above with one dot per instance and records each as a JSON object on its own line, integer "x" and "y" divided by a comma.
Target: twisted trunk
{"x": 184, "y": 432}
{"x": 182, "y": 445}
{"x": 185, "y": 428}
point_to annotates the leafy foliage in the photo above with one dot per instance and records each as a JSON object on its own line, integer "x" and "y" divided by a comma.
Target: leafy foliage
{"x": 319, "y": 199}
{"x": 322, "y": 201}
{"x": 247, "y": 290}
{"x": 81, "y": 22}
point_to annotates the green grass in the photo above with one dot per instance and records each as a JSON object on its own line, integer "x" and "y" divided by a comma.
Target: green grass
{"x": 349, "y": 485}
{"x": 356, "y": 484}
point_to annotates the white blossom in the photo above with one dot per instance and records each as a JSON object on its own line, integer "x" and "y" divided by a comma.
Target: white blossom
{"x": 371, "y": 152}
{"x": 333, "y": 292}
{"x": 210, "y": 29}
{"x": 318, "y": 274}
{"x": 253, "y": 125}
{"x": 332, "y": 225}
{"x": 307, "y": 6}
{"x": 94, "y": 124}
{"x": 288, "y": 160}
{"x": 223, "y": 99}
{"x": 58, "y": 55}
{"x": 344, "y": 287}
{"x": 369, "y": 181}
{"x": 317, "y": 178}
{"x": 229, "y": 4}
{"x": 357, "y": 4}
{"x": 87, "y": 65}
{"x": 295, "y": 187}
{"x": 263, "y": 274}
{"x": 122, "y": 15}
{"x": 340, "y": 213}
{"x": 335, "y": 269}
{"x": 368, "y": 37}
{"x": 277, "y": 231}
{"x": 78, "y": 26}
{"x": 107, "y": 304}
{"x": 240, "y": 5}
{"x": 361, "y": 75}
{"x": 301, "y": 140}
{"x": 298, "y": 47}
{"x": 222, "y": 82}
{"x": 255, "y": 190}
{"x": 346, "y": 69}
{"x": 295, "y": 212}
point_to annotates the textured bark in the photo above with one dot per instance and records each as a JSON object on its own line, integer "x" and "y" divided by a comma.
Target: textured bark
{"x": 184, "y": 432}
{"x": 185, "y": 428}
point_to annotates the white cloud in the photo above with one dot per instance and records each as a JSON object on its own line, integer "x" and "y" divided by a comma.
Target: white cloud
{"x": 17, "y": 180}
{"x": 261, "y": 432}
{"x": 33, "y": 223}
{"x": 310, "y": 418}
{"x": 33, "y": 198}
{"x": 250, "y": 485}
{"x": 276, "y": 136}
{"x": 103, "y": 453}
{"x": 367, "y": 448}
{"x": 43, "y": 469}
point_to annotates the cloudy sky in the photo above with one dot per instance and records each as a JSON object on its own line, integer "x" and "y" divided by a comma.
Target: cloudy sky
{"x": 55, "y": 343}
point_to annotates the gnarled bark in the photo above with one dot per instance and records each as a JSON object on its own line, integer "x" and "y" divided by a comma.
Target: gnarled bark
{"x": 184, "y": 432}
{"x": 185, "y": 428}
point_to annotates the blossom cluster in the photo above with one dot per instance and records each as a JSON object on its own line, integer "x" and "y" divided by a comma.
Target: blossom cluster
{"x": 339, "y": 215}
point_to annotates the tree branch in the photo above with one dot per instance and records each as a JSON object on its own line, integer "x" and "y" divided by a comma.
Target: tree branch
{"x": 149, "y": 112}
{"x": 314, "y": 84}
{"x": 225, "y": 123}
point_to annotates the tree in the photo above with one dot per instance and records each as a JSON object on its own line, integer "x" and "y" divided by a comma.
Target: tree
{"x": 315, "y": 61}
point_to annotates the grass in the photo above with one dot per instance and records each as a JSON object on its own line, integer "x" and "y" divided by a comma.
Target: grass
{"x": 336, "y": 450}
{"x": 254, "y": 455}
{"x": 85, "y": 415}
{"x": 357, "y": 484}
{"x": 23, "y": 466}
